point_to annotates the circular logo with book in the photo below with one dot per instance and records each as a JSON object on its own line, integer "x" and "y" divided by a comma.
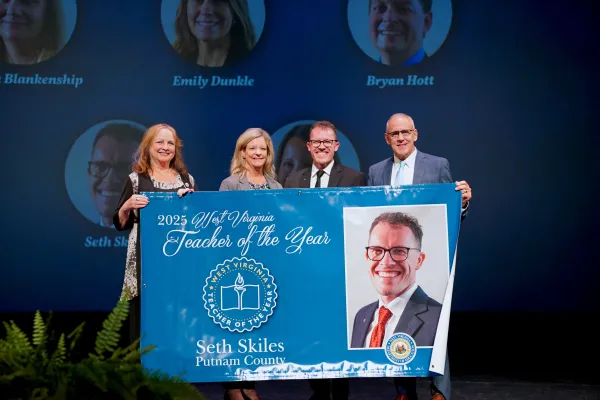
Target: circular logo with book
{"x": 400, "y": 348}
{"x": 240, "y": 294}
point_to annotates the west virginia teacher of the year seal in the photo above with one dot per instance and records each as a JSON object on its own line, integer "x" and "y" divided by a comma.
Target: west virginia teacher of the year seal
{"x": 240, "y": 294}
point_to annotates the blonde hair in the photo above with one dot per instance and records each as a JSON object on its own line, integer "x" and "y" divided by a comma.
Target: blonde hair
{"x": 243, "y": 36}
{"x": 52, "y": 37}
{"x": 141, "y": 163}
{"x": 238, "y": 164}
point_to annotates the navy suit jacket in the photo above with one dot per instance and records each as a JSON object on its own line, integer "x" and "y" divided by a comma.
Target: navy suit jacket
{"x": 428, "y": 169}
{"x": 419, "y": 320}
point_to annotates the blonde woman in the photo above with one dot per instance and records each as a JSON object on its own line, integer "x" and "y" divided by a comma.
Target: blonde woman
{"x": 158, "y": 167}
{"x": 30, "y": 31}
{"x": 252, "y": 164}
{"x": 214, "y": 33}
{"x": 251, "y": 169}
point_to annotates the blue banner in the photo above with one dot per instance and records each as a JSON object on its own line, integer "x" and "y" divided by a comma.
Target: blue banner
{"x": 295, "y": 284}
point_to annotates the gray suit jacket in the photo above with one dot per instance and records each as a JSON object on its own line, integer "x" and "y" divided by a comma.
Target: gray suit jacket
{"x": 236, "y": 182}
{"x": 419, "y": 320}
{"x": 428, "y": 169}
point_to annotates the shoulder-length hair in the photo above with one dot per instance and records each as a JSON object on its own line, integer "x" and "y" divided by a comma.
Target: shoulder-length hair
{"x": 243, "y": 37}
{"x": 141, "y": 160}
{"x": 52, "y": 37}
{"x": 238, "y": 164}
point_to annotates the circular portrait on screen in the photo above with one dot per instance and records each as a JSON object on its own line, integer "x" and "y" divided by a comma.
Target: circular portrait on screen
{"x": 399, "y": 32}
{"x": 213, "y": 33}
{"x": 98, "y": 165}
{"x": 32, "y": 31}
{"x": 291, "y": 153}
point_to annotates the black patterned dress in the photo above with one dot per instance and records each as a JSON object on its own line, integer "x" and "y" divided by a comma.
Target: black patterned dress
{"x": 131, "y": 283}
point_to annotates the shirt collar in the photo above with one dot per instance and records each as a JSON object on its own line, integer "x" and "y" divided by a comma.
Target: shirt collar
{"x": 327, "y": 169}
{"x": 410, "y": 160}
{"x": 414, "y": 59}
{"x": 397, "y": 305}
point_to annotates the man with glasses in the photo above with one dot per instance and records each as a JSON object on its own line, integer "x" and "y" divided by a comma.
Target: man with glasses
{"x": 324, "y": 173}
{"x": 408, "y": 166}
{"x": 394, "y": 256}
{"x": 109, "y": 166}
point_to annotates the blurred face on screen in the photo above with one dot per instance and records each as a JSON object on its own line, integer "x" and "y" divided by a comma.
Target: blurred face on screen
{"x": 21, "y": 19}
{"x": 401, "y": 135}
{"x": 162, "y": 150}
{"x": 256, "y": 153}
{"x": 322, "y": 153}
{"x": 394, "y": 273}
{"x": 209, "y": 19}
{"x": 108, "y": 168}
{"x": 293, "y": 158}
{"x": 397, "y": 28}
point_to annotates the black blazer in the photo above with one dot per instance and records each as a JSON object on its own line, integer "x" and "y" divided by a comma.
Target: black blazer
{"x": 341, "y": 176}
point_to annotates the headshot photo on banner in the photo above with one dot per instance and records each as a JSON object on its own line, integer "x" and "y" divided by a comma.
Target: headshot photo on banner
{"x": 291, "y": 153}
{"x": 399, "y": 32}
{"x": 98, "y": 165}
{"x": 32, "y": 32}
{"x": 397, "y": 256}
{"x": 213, "y": 33}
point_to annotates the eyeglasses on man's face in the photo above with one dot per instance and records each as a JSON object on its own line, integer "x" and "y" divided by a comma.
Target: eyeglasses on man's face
{"x": 404, "y": 132}
{"x": 398, "y": 253}
{"x": 100, "y": 169}
{"x": 326, "y": 143}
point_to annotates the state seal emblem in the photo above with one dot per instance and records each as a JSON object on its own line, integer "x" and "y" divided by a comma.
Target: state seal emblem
{"x": 400, "y": 348}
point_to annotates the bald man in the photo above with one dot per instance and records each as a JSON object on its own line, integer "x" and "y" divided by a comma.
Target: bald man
{"x": 409, "y": 166}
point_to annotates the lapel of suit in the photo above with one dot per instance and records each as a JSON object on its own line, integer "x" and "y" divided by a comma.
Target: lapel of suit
{"x": 420, "y": 165}
{"x": 244, "y": 183}
{"x": 336, "y": 176}
{"x": 363, "y": 324}
{"x": 387, "y": 171}
{"x": 305, "y": 179}
{"x": 409, "y": 320}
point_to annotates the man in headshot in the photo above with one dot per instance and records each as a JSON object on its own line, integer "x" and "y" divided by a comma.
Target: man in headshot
{"x": 397, "y": 29}
{"x": 394, "y": 256}
{"x": 323, "y": 173}
{"x": 109, "y": 166}
{"x": 408, "y": 166}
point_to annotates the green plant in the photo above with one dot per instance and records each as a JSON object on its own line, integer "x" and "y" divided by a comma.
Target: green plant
{"x": 48, "y": 366}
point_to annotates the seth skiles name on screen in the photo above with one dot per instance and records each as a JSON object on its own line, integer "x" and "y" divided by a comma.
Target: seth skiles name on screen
{"x": 214, "y": 81}
{"x": 106, "y": 241}
{"x": 255, "y": 352}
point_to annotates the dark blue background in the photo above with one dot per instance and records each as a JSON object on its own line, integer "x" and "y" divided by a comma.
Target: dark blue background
{"x": 512, "y": 108}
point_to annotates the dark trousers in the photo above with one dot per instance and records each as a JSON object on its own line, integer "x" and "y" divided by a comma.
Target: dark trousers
{"x": 329, "y": 389}
{"x": 239, "y": 385}
{"x": 407, "y": 386}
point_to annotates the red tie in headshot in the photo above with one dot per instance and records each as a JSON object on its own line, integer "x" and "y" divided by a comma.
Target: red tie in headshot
{"x": 379, "y": 331}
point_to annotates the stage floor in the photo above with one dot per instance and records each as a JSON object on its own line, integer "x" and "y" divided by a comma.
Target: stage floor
{"x": 464, "y": 388}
